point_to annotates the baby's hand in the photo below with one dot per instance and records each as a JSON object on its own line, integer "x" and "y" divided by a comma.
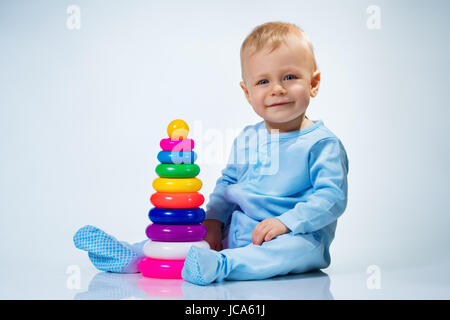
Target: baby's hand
{"x": 213, "y": 234}
{"x": 268, "y": 229}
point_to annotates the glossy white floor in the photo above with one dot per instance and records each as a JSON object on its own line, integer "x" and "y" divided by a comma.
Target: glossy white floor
{"x": 84, "y": 282}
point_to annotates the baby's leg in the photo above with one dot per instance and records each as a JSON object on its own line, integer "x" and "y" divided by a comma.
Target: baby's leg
{"x": 285, "y": 254}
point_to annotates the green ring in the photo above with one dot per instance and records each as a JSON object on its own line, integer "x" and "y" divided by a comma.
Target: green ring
{"x": 177, "y": 170}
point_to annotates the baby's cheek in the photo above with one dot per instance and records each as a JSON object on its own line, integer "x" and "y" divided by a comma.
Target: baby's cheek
{"x": 302, "y": 94}
{"x": 302, "y": 90}
{"x": 258, "y": 103}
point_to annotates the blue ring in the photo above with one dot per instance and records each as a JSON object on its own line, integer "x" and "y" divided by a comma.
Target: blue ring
{"x": 176, "y": 216}
{"x": 177, "y": 157}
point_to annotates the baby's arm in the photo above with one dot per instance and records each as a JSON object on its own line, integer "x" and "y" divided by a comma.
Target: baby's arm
{"x": 213, "y": 233}
{"x": 328, "y": 173}
{"x": 218, "y": 209}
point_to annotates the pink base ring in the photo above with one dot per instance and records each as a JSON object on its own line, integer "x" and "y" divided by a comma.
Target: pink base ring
{"x": 168, "y": 144}
{"x": 160, "y": 268}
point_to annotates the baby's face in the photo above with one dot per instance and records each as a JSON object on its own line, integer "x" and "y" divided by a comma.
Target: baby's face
{"x": 278, "y": 85}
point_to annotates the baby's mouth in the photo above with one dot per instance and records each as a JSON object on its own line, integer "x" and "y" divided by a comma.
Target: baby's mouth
{"x": 279, "y": 104}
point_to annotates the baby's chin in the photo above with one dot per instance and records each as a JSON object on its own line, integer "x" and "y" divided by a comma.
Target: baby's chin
{"x": 281, "y": 116}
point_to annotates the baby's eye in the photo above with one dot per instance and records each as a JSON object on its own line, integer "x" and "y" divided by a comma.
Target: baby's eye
{"x": 290, "y": 77}
{"x": 262, "y": 81}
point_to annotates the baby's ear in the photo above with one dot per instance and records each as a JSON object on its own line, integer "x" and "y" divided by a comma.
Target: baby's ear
{"x": 315, "y": 82}
{"x": 244, "y": 88}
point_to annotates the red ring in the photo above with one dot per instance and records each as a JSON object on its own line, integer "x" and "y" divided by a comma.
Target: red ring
{"x": 177, "y": 200}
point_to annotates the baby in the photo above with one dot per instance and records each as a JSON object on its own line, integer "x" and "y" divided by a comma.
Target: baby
{"x": 268, "y": 215}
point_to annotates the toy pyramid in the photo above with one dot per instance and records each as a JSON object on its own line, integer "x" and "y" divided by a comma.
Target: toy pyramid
{"x": 176, "y": 216}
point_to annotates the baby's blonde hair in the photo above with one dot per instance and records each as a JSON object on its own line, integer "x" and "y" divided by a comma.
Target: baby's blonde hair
{"x": 272, "y": 34}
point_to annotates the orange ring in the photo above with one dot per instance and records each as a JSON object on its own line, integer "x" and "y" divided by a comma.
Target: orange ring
{"x": 177, "y": 200}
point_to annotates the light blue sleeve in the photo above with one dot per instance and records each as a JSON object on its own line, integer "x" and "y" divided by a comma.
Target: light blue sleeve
{"x": 218, "y": 207}
{"x": 328, "y": 166}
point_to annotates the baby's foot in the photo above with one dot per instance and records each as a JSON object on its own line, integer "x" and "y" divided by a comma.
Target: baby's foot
{"x": 106, "y": 252}
{"x": 203, "y": 266}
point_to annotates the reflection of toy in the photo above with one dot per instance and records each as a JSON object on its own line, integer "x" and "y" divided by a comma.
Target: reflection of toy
{"x": 162, "y": 288}
{"x": 177, "y": 216}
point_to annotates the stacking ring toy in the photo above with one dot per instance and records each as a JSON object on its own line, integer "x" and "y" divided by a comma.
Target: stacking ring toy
{"x": 168, "y": 144}
{"x": 171, "y": 250}
{"x": 178, "y": 129}
{"x": 180, "y": 200}
{"x": 177, "y": 185}
{"x": 175, "y": 233}
{"x": 177, "y": 157}
{"x": 161, "y": 268}
{"x": 177, "y": 170}
{"x": 176, "y": 216}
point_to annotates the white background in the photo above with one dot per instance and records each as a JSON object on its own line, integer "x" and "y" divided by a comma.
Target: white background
{"x": 82, "y": 113}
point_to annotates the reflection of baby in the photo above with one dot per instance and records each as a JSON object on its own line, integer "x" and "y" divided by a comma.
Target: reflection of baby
{"x": 270, "y": 222}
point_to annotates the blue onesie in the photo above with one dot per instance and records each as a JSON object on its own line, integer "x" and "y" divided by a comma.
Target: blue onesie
{"x": 298, "y": 177}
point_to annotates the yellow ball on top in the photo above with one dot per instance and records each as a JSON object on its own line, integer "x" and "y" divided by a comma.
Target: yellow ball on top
{"x": 178, "y": 129}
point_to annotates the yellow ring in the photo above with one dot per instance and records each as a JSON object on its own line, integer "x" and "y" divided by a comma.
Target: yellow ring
{"x": 177, "y": 185}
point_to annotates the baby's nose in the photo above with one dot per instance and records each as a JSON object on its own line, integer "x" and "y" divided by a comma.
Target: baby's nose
{"x": 278, "y": 89}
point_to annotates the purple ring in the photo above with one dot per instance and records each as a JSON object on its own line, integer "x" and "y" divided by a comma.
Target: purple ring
{"x": 176, "y": 233}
